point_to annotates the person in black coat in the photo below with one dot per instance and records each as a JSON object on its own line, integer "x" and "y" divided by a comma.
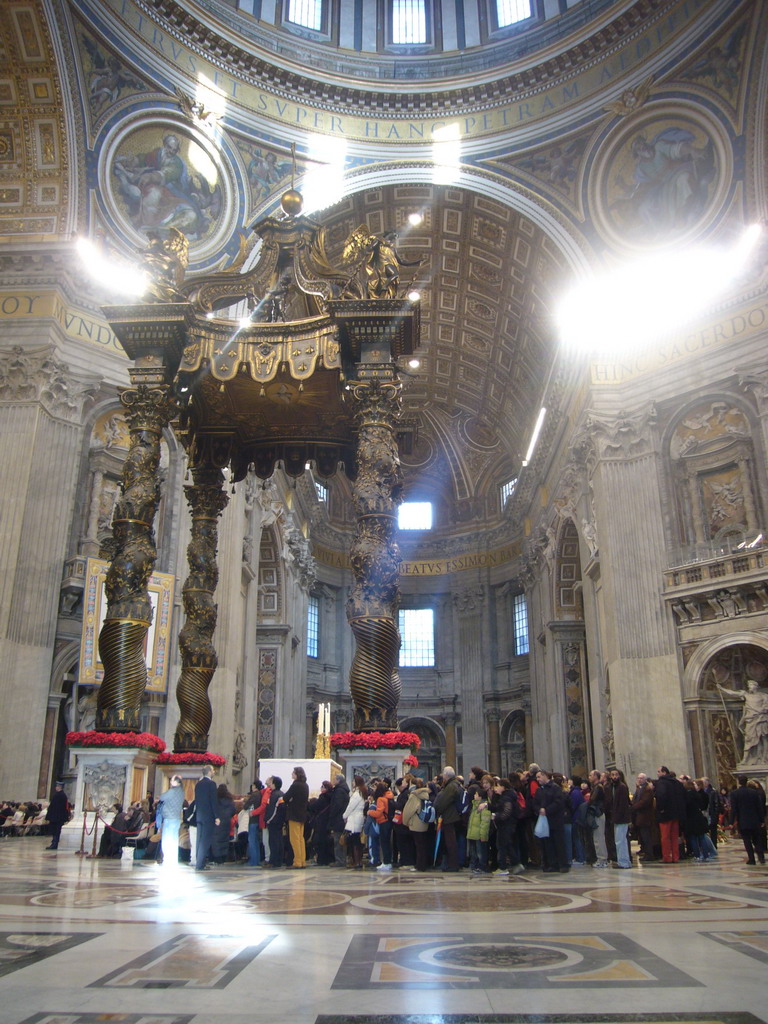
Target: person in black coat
{"x": 696, "y": 824}
{"x": 550, "y": 800}
{"x": 317, "y": 818}
{"x": 206, "y": 816}
{"x": 274, "y": 819}
{"x": 748, "y": 813}
{"x": 57, "y": 815}
{"x": 225, "y": 810}
{"x": 336, "y": 823}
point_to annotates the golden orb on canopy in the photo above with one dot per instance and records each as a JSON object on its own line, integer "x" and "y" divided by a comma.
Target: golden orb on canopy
{"x": 292, "y": 202}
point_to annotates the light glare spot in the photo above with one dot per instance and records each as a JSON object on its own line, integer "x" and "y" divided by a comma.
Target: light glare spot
{"x": 446, "y": 154}
{"x": 119, "y": 278}
{"x": 637, "y": 304}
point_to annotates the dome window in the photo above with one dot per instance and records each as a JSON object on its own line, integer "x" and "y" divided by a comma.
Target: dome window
{"x": 306, "y": 13}
{"x": 510, "y": 12}
{"x": 409, "y": 22}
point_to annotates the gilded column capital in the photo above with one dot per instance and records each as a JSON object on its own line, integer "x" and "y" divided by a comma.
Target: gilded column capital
{"x": 149, "y": 407}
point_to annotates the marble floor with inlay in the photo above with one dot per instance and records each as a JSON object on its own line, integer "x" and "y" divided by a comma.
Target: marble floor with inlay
{"x": 84, "y": 941}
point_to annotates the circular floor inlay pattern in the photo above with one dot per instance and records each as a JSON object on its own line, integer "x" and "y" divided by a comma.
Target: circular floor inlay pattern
{"x": 288, "y": 902}
{"x": 92, "y": 896}
{"x": 472, "y": 902}
{"x": 486, "y": 957}
{"x": 661, "y": 899}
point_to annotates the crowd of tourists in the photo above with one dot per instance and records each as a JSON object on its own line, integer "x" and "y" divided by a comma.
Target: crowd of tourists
{"x": 485, "y": 824}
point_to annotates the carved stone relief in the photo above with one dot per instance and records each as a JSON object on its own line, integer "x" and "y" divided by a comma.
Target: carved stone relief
{"x": 707, "y": 426}
{"x": 239, "y": 760}
{"x": 623, "y": 436}
{"x": 470, "y": 600}
{"x": 34, "y": 375}
{"x": 104, "y": 785}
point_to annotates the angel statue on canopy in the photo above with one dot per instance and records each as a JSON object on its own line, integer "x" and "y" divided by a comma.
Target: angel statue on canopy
{"x": 381, "y": 261}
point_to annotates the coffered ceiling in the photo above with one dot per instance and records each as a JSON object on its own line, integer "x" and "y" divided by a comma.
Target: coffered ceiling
{"x": 488, "y": 342}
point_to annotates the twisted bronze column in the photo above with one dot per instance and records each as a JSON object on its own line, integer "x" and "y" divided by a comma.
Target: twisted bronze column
{"x": 372, "y": 607}
{"x": 129, "y": 611}
{"x": 207, "y": 500}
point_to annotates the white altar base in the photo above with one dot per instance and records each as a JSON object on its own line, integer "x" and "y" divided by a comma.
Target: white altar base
{"x": 318, "y": 770}
{"x": 383, "y": 763}
{"x": 105, "y": 775}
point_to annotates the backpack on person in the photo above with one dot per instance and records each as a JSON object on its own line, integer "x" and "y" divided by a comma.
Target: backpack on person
{"x": 427, "y": 812}
{"x": 463, "y": 803}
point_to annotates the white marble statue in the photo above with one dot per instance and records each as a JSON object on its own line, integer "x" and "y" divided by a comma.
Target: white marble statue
{"x": 753, "y": 722}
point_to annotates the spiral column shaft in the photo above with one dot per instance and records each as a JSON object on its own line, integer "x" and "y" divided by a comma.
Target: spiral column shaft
{"x": 207, "y": 500}
{"x": 373, "y": 604}
{"x": 129, "y": 611}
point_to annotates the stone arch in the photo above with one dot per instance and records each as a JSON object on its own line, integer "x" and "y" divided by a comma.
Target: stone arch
{"x": 564, "y": 235}
{"x": 61, "y": 716}
{"x": 566, "y": 579}
{"x": 431, "y": 753}
{"x": 693, "y": 675}
{"x": 711, "y": 449}
{"x": 514, "y": 748}
{"x": 271, "y": 575}
{"x": 713, "y": 718}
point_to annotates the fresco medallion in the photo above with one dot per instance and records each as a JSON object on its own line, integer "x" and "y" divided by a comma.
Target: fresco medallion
{"x": 661, "y": 178}
{"x": 158, "y": 174}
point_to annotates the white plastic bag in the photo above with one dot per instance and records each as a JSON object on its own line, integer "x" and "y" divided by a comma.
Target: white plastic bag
{"x": 541, "y": 830}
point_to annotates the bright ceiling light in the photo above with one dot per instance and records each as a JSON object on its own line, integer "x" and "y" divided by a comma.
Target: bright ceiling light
{"x": 635, "y": 305}
{"x": 211, "y": 100}
{"x": 323, "y": 183}
{"x": 414, "y": 219}
{"x": 116, "y": 276}
{"x": 535, "y": 435}
{"x": 414, "y": 295}
{"x": 446, "y": 154}
{"x": 414, "y": 363}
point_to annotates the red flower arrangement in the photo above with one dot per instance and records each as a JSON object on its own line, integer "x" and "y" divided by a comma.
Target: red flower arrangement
{"x": 94, "y": 738}
{"x": 411, "y": 761}
{"x": 375, "y": 740}
{"x": 191, "y": 758}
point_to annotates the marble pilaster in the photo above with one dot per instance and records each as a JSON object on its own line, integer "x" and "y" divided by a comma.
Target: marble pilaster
{"x": 637, "y": 637}
{"x": 471, "y": 630}
{"x": 41, "y": 412}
